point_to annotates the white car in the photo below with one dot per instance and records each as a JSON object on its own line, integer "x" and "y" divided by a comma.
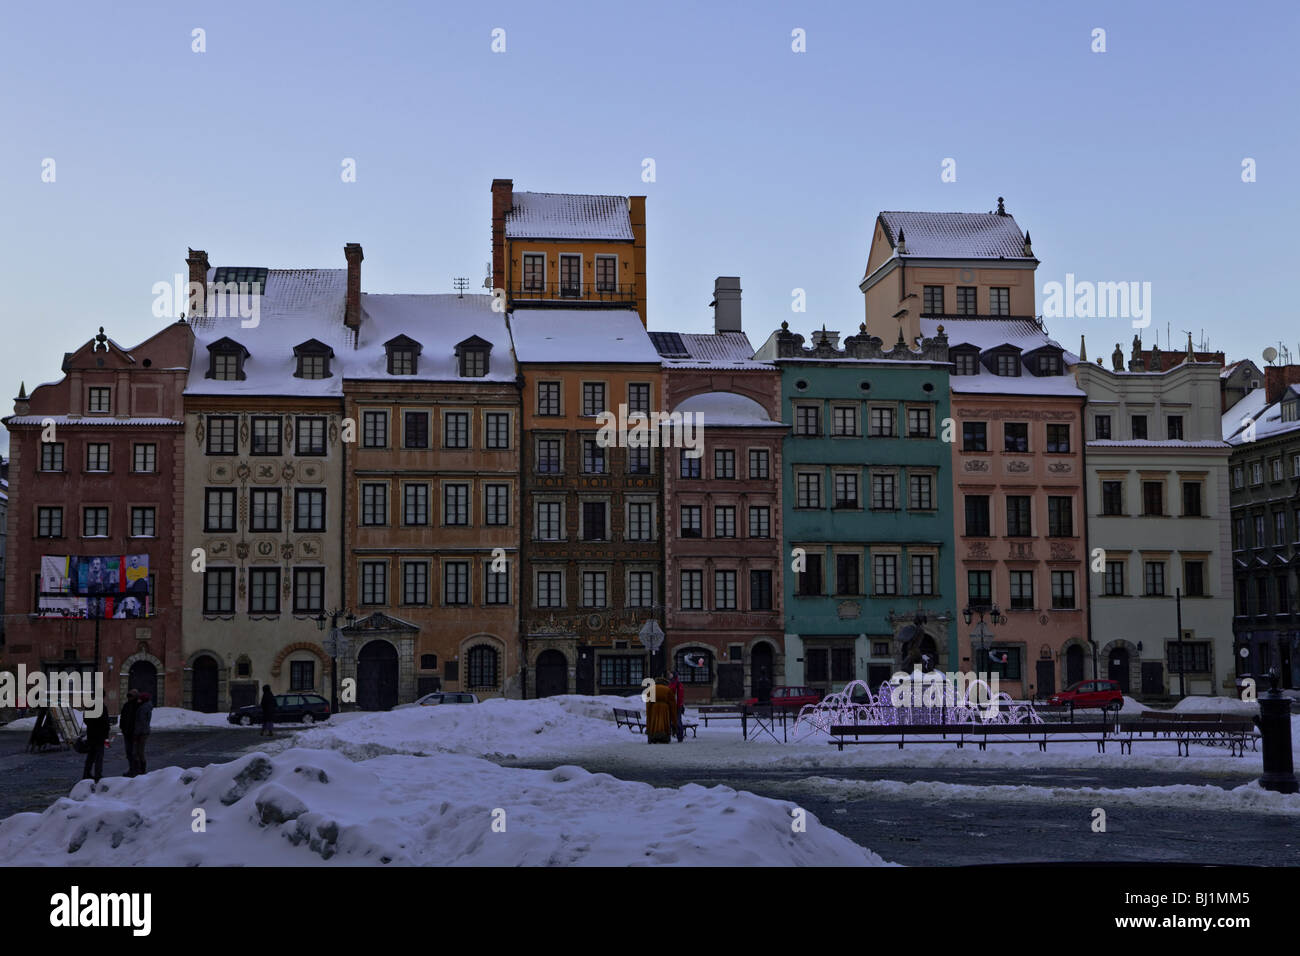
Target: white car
{"x": 441, "y": 697}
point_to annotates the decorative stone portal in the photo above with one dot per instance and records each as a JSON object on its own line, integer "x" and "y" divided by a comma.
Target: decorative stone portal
{"x": 377, "y": 669}
{"x": 541, "y": 669}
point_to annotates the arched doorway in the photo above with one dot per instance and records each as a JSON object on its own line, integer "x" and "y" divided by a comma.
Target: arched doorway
{"x": 552, "y": 673}
{"x": 761, "y": 671}
{"x": 1073, "y": 664}
{"x": 203, "y": 685}
{"x": 377, "y": 676}
{"x": 144, "y": 678}
{"x": 1117, "y": 667}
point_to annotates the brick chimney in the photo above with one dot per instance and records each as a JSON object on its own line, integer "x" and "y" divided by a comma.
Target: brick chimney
{"x": 726, "y": 304}
{"x": 636, "y": 215}
{"x": 197, "y": 260}
{"x": 1276, "y": 380}
{"x": 503, "y": 199}
{"x": 352, "y": 310}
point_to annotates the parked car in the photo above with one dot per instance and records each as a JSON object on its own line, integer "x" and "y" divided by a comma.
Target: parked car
{"x": 791, "y": 698}
{"x": 289, "y": 708}
{"x": 1090, "y": 693}
{"x": 447, "y": 697}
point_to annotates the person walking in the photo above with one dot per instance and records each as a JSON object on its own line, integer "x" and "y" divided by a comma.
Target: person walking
{"x": 126, "y": 724}
{"x": 143, "y": 717}
{"x": 97, "y": 729}
{"x": 268, "y": 712}
{"x": 675, "y": 685}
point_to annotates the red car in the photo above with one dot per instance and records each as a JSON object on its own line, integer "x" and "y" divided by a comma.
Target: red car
{"x": 1091, "y": 693}
{"x": 791, "y": 698}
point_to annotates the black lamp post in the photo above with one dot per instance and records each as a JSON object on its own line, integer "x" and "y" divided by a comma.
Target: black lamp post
{"x": 332, "y": 616}
{"x": 995, "y": 616}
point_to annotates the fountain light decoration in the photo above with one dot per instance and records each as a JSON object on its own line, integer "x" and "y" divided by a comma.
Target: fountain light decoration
{"x": 932, "y": 698}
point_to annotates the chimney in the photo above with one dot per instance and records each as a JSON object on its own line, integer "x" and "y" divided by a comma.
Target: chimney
{"x": 352, "y": 310}
{"x": 1276, "y": 380}
{"x": 726, "y": 304}
{"x": 503, "y": 200}
{"x": 197, "y": 260}
{"x": 636, "y": 215}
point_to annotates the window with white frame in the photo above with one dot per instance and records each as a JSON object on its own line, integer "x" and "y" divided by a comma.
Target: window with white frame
{"x": 455, "y": 583}
{"x": 496, "y": 504}
{"x": 550, "y": 520}
{"x": 692, "y": 590}
{"x": 724, "y": 590}
{"x": 455, "y": 504}
{"x": 593, "y": 589}
{"x": 640, "y": 588}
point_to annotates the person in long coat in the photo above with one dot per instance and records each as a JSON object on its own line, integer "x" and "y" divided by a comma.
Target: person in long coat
{"x": 660, "y": 713}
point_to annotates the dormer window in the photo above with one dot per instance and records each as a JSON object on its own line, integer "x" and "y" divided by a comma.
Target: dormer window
{"x": 1049, "y": 364}
{"x": 1290, "y": 410}
{"x": 1006, "y": 363}
{"x": 965, "y": 362}
{"x": 226, "y": 360}
{"x": 403, "y": 355}
{"x": 472, "y": 357}
{"x": 313, "y": 359}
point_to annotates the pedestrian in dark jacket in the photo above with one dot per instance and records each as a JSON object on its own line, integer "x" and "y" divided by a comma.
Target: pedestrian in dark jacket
{"x": 268, "y": 712}
{"x": 143, "y": 716}
{"x": 126, "y": 724}
{"x": 96, "y": 736}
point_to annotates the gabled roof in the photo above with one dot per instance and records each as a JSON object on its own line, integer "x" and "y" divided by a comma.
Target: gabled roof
{"x": 403, "y": 341}
{"x": 568, "y": 216}
{"x": 473, "y": 342}
{"x": 956, "y": 235}
{"x": 313, "y": 346}
{"x": 226, "y": 344}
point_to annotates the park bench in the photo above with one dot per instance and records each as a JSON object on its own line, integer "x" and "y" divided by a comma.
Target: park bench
{"x": 635, "y": 720}
{"x": 709, "y": 712}
{"x": 631, "y": 719}
{"x": 1234, "y": 734}
{"x": 979, "y": 734}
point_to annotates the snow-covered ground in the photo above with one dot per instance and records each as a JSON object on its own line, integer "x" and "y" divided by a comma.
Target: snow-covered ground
{"x": 422, "y": 785}
{"x": 303, "y": 807}
{"x": 164, "y": 718}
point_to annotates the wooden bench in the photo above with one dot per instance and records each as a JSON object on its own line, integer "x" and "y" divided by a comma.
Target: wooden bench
{"x": 1216, "y": 732}
{"x": 979, "y": 734}
{"x": 631, "y": 719}
{"x": 709, "y": 712}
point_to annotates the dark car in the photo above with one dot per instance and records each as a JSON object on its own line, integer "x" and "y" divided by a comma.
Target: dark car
{"x": 1091, "y": 693}
{"x": 289, "y": 708}
{"x": 791, "y": 698}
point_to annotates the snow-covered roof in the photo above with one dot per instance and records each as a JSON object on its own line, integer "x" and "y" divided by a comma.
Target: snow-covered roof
{"x": 610, "y": 336}
{"x": 568, "y": 216}
{"x": 98, "y": 420}
{"x": 986, "y": 334}
{"x": 706, "y": 350}
{"x": 727, "y": 410}
{"x": 1153, "y": 443}
{"x": 1267, "y": 421}
{"x": 437, "y": 323}
{"x": 956, "y": 235}
{"x": 296, "y": 305}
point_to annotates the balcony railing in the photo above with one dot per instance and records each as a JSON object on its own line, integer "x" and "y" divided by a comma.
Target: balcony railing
{"x": 573, "y": 293}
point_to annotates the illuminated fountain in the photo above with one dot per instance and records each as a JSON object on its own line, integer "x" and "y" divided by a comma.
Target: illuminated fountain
{"x": 916, "y": 698}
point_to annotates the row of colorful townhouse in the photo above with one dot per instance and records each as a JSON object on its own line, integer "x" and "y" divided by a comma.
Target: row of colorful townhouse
{"x": 409, "y": 493}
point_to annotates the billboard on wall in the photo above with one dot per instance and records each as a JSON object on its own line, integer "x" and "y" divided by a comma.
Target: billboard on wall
{"x": 102, "y": 586}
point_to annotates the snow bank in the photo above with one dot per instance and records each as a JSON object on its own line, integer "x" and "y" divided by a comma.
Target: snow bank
{"x": 553, "y": 727}
{"x": 164, "y": 718}
{"x": 305, "y": 807}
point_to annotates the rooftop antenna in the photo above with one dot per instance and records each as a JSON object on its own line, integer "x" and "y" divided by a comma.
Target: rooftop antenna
{"x": 487, "y": 275}
{"x": 461, "y": 283}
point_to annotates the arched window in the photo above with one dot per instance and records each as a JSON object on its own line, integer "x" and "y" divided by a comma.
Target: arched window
{"x": 694, "y": 665}
{"x": 484, "y": 668}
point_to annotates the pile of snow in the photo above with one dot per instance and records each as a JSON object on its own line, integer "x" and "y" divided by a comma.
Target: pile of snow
{"x": 303, "y": 807}
{"x": 498, "y": 727}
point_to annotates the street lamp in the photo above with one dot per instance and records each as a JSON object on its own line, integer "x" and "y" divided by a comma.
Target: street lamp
{"x": 995, "y": 616}
{"x": 332, "y": 616}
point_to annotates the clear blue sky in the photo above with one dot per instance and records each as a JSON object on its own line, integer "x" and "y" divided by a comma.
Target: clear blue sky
{"x": 770, "y": 164}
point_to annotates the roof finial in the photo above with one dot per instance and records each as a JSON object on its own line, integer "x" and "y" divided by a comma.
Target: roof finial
{"x": 22, "y": 391}
{"x": 1002, "y": 210}
{"x": 1083, "y": 348}
{"x": 902, "y": 243}
{"x": 1191, "y": 355}
{"x": 1029, "y": 245}
{"x": 101, "y": 341}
